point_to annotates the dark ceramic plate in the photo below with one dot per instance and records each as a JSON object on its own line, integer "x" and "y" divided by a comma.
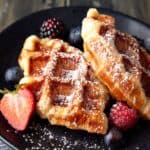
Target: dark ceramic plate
{"x": 39, "y": 134}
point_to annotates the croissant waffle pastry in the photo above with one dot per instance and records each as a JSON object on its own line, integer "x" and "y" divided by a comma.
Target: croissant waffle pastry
{"x": 118, "y": 61}
{"x": 64, "y": 85}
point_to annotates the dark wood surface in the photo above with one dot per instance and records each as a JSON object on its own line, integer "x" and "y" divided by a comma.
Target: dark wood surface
{"x": 12, "y": 10}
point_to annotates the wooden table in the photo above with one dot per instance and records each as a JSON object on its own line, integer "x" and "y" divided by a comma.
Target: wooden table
{"x": 12, "y": 10}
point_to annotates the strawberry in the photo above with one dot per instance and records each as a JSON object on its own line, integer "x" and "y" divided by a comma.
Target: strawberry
{"x": 123, "y": 117}
{"x": 17, "y": 107}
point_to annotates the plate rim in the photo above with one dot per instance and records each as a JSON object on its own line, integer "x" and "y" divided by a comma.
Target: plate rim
{"x": 75, "y": 7}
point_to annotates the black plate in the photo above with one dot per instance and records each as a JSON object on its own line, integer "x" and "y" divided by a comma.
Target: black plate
{"x": 39, "y": 133}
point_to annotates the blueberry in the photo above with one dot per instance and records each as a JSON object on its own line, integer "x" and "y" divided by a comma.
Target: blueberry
{"x": 147, "y": 44}
{"x": 140, "y": 41}
{"x": 144, "y": 42}
{"x": 13, "y": 75}
{"x": 112, "y": 138}
{"x": 75, "y": 37}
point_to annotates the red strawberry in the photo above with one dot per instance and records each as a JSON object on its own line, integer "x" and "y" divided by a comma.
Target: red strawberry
{"x": 17, "y": 107}
{"x": 123, "y": 117}
{"x": 52, "y": 28}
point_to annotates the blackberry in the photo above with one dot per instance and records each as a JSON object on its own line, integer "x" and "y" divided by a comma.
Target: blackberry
{"x": 52, "y": 28}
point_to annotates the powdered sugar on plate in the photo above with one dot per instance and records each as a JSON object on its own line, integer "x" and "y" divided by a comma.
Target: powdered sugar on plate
{"x": 40, "y": 135}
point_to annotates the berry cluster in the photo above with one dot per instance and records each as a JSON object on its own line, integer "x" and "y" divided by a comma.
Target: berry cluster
{"x": 52, "y": 28}
{"x": 123, "y": 117}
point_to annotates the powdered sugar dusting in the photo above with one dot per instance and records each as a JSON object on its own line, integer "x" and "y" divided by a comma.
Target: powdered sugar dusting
{"x": 42, "y": 136}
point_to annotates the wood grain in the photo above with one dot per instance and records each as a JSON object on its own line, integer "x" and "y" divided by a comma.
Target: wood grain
{"x": 12, "y": 10}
